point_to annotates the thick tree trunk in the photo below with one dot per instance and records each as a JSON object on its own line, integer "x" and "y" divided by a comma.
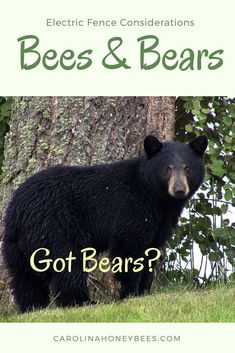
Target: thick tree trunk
{"x": 161, "y": 117}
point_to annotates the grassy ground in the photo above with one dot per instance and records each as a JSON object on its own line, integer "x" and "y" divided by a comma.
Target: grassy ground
{"x": 211, "y": 305}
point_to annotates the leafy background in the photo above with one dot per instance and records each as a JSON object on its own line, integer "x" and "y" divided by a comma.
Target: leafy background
{"x": 209, "y": 225}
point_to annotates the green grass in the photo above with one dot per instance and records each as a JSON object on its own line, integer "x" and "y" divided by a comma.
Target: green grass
{"x": 211, "y": 305}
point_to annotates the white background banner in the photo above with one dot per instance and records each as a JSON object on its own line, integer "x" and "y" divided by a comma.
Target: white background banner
{"x": 78, "y": 26}
{"x": 164, "y": 338}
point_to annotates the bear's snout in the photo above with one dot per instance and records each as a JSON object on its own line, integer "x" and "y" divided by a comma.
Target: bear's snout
{"x": 179, "y": 190}
{"x": 178, "y": 184}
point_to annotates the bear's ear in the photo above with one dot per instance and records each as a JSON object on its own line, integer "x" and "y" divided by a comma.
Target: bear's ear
{"x": 152, "y": 145}
{"x": 199, "y": 144}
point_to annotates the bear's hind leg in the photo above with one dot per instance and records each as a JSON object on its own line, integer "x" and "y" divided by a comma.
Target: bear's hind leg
{"x": 29, "y": 291}
{"x": 29, "y": 288}
{"x": 70, "y": 289}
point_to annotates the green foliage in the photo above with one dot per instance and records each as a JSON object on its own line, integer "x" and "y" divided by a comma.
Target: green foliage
{"x": 209, "y": 225}
{"x": 5, "y": 112}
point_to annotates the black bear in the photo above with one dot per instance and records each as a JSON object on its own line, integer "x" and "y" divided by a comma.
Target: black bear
{"x": 123, "y": 207}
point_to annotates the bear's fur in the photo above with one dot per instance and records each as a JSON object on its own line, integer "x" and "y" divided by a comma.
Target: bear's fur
{"x": 124, "y": 208}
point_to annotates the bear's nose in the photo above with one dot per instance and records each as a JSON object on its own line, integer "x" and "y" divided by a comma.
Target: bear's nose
{"x": 179, "y": 191}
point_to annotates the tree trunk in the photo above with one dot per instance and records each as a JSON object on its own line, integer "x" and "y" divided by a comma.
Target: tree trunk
{"x": 161, "y": 117}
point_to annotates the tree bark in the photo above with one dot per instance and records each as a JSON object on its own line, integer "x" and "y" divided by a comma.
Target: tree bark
{"x": 161, "y": 117}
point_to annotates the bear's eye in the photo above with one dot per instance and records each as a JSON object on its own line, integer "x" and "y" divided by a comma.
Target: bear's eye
{"x": 168, "y": 170}
{"x": 187, "y": 170}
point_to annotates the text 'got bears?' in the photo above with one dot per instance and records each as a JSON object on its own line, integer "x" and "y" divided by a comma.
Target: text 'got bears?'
{"x": 89, "y": 263}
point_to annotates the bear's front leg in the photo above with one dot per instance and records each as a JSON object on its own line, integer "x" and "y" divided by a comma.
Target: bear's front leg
{"x": 132, "y": 234}
{"x": 127, "y": 251}
{"x": 129, "y": 284}
{"x": 146, "y": 280}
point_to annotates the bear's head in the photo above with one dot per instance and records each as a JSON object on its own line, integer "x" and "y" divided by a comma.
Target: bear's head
{"x": 175, "y": 169}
